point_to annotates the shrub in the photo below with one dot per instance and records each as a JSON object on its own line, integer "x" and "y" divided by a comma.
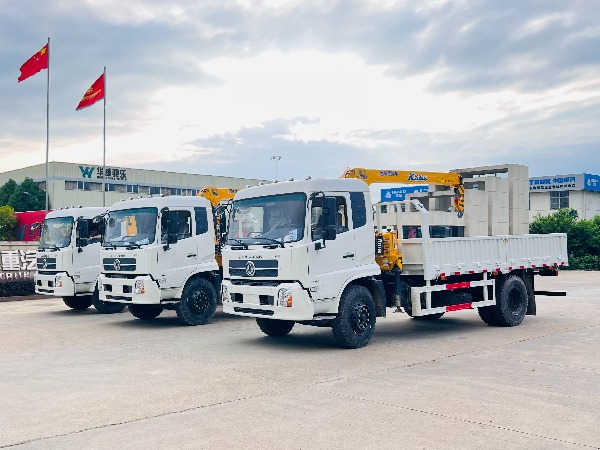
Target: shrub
{"x": 17, "y": 288}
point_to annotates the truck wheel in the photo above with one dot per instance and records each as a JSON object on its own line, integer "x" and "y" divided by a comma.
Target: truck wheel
{"x": 275, "y": 328}
{"x": 145, "y": 312}
{"x": 78, "y": 302}
{"x": 355, "y": 322}
{"x": 106, "y": 307}
{"x": 198, "y": 302}
{"x": 511, "y": 303}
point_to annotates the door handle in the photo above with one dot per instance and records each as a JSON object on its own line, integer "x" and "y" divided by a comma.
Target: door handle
{"x": 191, "y": 255}
{"x": 348, "y": 255}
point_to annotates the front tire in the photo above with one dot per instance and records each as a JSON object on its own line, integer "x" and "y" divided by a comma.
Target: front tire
{"x": 355, "y": 322}
{"x": 78, "y": 303}
{"x": 198, "y": 302}
{"x": 145, "y": 312}
{"x": 106, "y": 307}
{"x": 511, "y": 303}
{"x": 275, "y": 328}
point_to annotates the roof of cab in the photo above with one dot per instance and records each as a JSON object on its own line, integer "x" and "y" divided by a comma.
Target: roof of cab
{"x": 169, "y": 201}
{"x": 308, "y": 186}
{"x": 87, "y": 212}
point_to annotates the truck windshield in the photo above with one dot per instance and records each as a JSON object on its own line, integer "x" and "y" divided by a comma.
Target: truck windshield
{"x": 56, "y": 232}
{"x": 264, "y": 220}
{"x": 130, "y": 227}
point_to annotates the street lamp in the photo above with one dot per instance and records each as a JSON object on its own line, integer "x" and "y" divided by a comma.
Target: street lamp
{"x": 275, "y": 158}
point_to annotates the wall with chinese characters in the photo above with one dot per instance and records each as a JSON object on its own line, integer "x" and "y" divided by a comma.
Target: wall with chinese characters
{"x": 17, "y": 260}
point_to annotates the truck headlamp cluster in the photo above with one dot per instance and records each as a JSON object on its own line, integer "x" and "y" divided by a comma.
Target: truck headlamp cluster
{"x": 58, "y": 282}
{"x": 284, "y": 297}
{"x": 100, "y": 285}
{"x": 139, "y": 287}
{"x": 224, "y": 294}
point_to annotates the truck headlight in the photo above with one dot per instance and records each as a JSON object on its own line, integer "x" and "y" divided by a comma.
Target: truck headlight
{"x": 224, "y": 293}
{"x": 284, "y": 297}
{"x": 100, "y": 285}
{"x": 58, "y": 282}
{"x": 139, "y": 287}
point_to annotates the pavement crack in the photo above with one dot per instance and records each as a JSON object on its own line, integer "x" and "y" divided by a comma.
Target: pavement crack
{"x": 459, "y": 419}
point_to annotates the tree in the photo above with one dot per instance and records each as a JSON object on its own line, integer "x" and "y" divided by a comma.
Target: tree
{"x": 28, "y": 197}
{"x": 8, "y": 223}
{"x": 583, "y": 236}
{"x": 7, "y": 190}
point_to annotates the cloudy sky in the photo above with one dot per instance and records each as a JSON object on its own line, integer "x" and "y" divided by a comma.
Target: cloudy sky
{"x": 218, "y": 87}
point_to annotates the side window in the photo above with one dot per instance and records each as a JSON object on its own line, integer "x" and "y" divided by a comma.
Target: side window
{"x": 95, "y": 232}
{"x": 184, "y": 224}
{"x": 201, "y": 220}
{"x": 359, "y": 210}
{"x": 341, "y": 218}
{"x": 316, "y": 219}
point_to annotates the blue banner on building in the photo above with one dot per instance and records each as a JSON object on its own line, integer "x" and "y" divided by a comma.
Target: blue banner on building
{"x": 591, "y": 182}
{"x": 399, "y": 194}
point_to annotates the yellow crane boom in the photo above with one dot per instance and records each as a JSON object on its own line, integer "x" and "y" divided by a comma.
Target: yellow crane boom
{"x": 217, "y": 195}
{"x": 388, "y": 254}
{"x": 450, "y": 179}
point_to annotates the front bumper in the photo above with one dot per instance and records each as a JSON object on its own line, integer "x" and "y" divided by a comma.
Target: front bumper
{"x": 58, "y": 284}
{"x": 261, "y": 301}
{"x": 128, "y": 290}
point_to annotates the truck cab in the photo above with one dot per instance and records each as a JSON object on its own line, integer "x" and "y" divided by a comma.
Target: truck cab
{"x": 294, "y": 248}
{"x": 159, "y": 253}
{"x": 68, "y": 258}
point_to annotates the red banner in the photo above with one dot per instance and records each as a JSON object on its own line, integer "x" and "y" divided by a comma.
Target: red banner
{"x": 33, "y": 65}
{"x": 93, "y": 94}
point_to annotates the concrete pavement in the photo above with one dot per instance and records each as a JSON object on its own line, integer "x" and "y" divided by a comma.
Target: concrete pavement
{"x": 72, "y": 379}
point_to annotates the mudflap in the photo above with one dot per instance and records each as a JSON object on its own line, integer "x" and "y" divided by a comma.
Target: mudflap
{"x": 378, "y": 291}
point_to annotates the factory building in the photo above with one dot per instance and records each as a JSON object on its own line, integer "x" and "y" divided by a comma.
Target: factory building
{"x": 75, "y": 184}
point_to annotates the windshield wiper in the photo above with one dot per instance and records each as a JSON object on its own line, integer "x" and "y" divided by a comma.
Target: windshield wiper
{"x": 274, "y": 241}
{"x": 109, "y": 245}
{"x": 242, "y": 243}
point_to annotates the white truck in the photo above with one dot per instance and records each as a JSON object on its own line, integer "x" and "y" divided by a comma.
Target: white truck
{"x": 306, "y": 252}
{"x": 68, "y": 258}
{"x": 159, "y": 253}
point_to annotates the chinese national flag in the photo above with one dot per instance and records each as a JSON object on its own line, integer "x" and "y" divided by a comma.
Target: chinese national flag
{"x": 93, "y": 94}
{"x": 34, "y": 64}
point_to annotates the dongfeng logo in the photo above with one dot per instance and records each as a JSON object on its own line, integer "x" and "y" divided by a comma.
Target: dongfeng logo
{"x": 250, "y": 269}
{"x": 117, "y": 265}
{"x": 45, "y": 263}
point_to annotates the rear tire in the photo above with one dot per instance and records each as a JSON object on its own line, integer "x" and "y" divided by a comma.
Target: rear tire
{"x": 106, "y": 307}
{"x": 511, "y": 303}
{"x": 79, "y": 303}
{"x": 355, "y": 322}
{"x": 198, "y": 302}
{"x": 275, "y": 328}
{"x": 145, "y": 312}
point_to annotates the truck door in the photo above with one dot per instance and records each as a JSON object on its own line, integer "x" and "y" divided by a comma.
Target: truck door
{"x": 332, "y": 265}
{"x": 181, "y": 258}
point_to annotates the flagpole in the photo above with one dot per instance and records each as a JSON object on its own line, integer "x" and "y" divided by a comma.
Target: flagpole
{"x": 104, "y": 150}
{"x": 47, "y": 125}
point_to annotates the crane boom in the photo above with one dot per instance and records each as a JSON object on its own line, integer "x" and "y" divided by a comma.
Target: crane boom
{"x": 451, "y": 179}
{"x": 217, "y": 195}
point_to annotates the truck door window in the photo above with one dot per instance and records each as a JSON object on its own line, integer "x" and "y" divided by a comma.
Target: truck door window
{"x": 201, "y": 220}
{"x": 184, "y": 225}
{"x": 359, "y": 210}
{"x": 316, "y": 219}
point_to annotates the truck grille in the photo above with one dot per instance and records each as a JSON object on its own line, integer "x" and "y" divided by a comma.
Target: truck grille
{"x": 119, "y": 264}
{"x": 254, "y": 268}
{"x": 46, "y": 263}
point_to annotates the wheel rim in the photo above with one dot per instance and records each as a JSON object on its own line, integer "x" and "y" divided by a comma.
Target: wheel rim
{"x": 360, "y": 318}
{"x": 514, "y": 302}
{"x": 200, "y": 302}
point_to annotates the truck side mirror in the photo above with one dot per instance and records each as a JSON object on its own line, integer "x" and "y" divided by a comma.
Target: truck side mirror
{"x": 82, "y": 234}
{"x": 329, "y": 212}
{"x": 172, "y": 224}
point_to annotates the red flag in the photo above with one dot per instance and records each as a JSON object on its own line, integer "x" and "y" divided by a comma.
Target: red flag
{"x": 93, "y": 94}
{"x": 34, "y": 64}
